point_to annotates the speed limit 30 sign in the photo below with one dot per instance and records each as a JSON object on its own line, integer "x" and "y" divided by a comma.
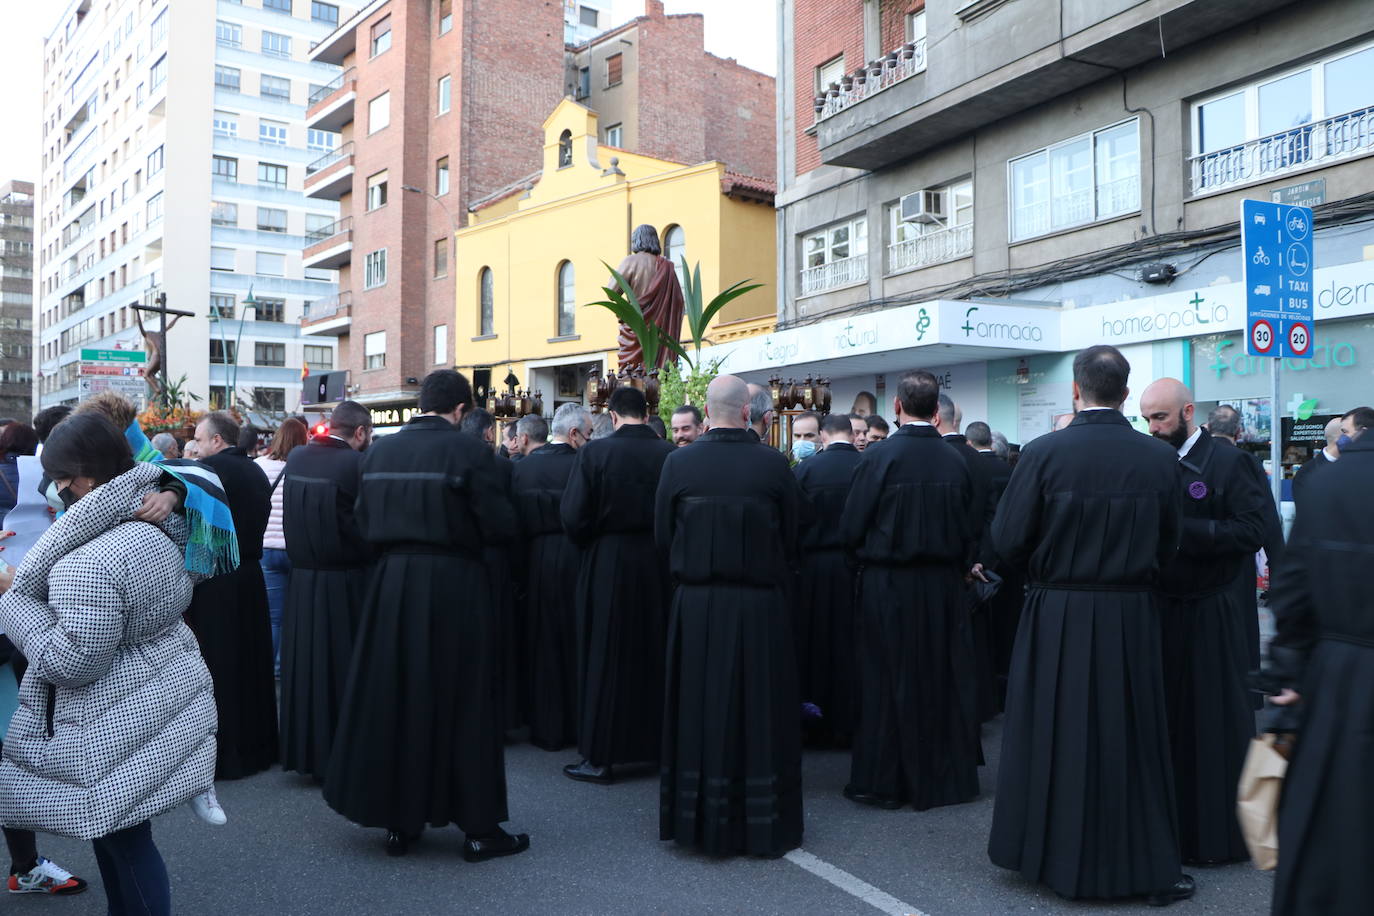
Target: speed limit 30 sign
{"x": 1261, "y": 337}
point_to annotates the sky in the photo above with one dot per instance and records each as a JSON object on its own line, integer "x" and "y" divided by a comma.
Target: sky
{"x": 743, "y": 29}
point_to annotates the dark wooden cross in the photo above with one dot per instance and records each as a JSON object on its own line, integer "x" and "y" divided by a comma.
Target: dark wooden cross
{"x": 156, "y": 343}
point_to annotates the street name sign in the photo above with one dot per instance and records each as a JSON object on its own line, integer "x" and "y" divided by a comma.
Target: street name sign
{"x": 1277, "y": 264}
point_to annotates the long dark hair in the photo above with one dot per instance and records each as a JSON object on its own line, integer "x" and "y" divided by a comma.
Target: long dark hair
{"x": 291, "y": 434}
{"x": 86, "y": 445}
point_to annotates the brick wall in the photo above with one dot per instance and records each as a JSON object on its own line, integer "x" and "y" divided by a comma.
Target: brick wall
{"x": 672, "y": 71}
{"x": 741, "y": 114}
{"x": 821, "y": 30}
{"x": 892, "y": 16}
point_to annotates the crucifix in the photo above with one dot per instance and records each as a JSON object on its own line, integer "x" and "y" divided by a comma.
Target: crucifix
{"x": 155, "y": 344}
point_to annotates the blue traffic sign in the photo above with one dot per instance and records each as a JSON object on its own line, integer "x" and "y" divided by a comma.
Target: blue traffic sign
{"x": 1276, "y": 250}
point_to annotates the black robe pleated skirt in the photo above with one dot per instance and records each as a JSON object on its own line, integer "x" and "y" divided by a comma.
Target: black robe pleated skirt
{"x": 511, "y": 675}
{"x": 824, "y": 626}
{"x": 420, "y": 739}
{"x": 229, "y": 617}
{"x": 917, "y": 739}
{"x": 1326, "y": 817}
{"x": 1085, "y": 793}
{"x": 731, "y": 774}
{"x": 319, "y": 625}
{"x": 551, "y": 641}
{"x": 620, "y": 630}
{"x": 1211, "y": 720}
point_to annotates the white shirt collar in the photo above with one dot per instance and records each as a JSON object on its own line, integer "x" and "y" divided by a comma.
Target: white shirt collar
{"x": 1326, "y": 450}
{"x": 985, "y": 451}
{"x": 1086, "y": 409}
{"x": 1187, "y": 446}
{"x": 341, "y": 439}
{"x": 917, "y": 423}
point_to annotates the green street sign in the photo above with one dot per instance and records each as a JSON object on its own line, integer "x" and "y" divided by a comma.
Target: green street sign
{"x": 114, "y": 356}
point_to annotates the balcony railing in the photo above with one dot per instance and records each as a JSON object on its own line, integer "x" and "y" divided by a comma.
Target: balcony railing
{"x": 319, "y": 165}
{"x": 1335, "y": 138}
{"x": 338, "y": 227}
{"x": 898, "y": 65}
{"x": 844, "y": 272}
{"x": 932, "y": 248}
{"x": 331, "y": 87}
{"x": 328, "y": 307}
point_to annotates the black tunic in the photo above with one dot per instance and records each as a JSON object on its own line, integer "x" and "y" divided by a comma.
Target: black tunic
{"x": 1206, "y": 648}
{"x": 1004, "y": 610}
{"x": 330, "y": 564}
{"x": 501, "y": 565}
{"x": 908, "y": 521}
{"x": 979, "y": 619}
{"x": 622, "y": 595}
{"x": 731, "y": 778}
{"x": 823, "y": 625}
{"x": 551, "y": 564}
{"x": 229, "y": 616}
{"x": 1085, "y": 791}
{"x": 1245, "y": 588}
{"x": 1321, "y": 602}
{"x": 420, "y": 732}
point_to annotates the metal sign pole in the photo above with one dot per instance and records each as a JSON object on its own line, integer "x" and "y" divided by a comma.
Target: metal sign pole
{"x": 1275, "y": 437}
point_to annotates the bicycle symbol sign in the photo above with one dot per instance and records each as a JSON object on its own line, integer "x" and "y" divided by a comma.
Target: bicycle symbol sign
{"x": 1260, "y": 256}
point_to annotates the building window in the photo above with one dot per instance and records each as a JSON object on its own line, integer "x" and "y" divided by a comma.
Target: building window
{"x": 226, "y": 124}
{"x": 327, "y": 13}
{"x": 223, "y": 352}
{"x": 565, "y": 149}
{"x": 486, "y": 322}
{"x": 228, "y": 34}
{"x": 271, "y": 219}
{"x": 219, "y": 396}
{"x": 835, "y": 256}
{"x": 946, "y": 236}
{"x": 270, "y": 310}
{"x": 157, "y": 74}
{"x": 315, "y": 223}
{"x": 275, "y": 45}
{"x": 1317, "y": 114}
{"x": 269, "y": 400}
{"x": 916, "y": 26}
{"x": 269, "y": 354}
{"x": 374, "y": 269}
{"x": 320, "y": 141}
{"x": 589, "y": 16}
{"x": 615, "y": 135}
{"x": 445, "y": 16}
{"x": 275, "y": 87}
{"x": 379, "y": 112}
{"x": 221, "y": 259}
{"x": 381, "y": 35}
{"x": 270, "y": 264}
{"x": 675, "y": 249}
{"x": 222, "y": 305}
{"x": 376, "y": 191}
{"x": 225, "y": 168}
{"x": 445, "y": 94}
{"x": 828, "y": 74}
{"x": 272, "y": 132}
{"x": 441, "y": 177}
{"x": 440, "y": 344}
{"x": 280, "y": 6}
{"x": 158, "y": 30}
{"x": 224, "y": 214}
{"x": 567, "y": 306}
{"x": 155, "y": 161}
{"x": 272, "y": 176}
{"x": 374, "y": 349}
{"x": 440, "y": 258}
{"x": 584, "y": 82}
{"x": 614, "y": 69}
{"x": 318, "y": 358}
{"x": 155, "y": 208}
{"x": 227, "y": 78}
{"x": 1091, "y": 177}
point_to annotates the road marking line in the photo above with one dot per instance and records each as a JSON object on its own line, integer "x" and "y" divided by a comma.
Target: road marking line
{"x": 851, "y": 884}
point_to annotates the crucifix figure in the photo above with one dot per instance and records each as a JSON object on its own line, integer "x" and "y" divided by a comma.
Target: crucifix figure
{"x": 155, "y": 345}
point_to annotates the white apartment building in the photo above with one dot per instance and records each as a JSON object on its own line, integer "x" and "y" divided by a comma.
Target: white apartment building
{"x": 174, "y": 153}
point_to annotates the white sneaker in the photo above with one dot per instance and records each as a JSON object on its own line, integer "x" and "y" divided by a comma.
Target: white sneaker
{"x": 207, "y": 808}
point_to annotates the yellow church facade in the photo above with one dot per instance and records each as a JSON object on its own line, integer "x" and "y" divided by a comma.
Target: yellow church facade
{"x": 533, "y": 256}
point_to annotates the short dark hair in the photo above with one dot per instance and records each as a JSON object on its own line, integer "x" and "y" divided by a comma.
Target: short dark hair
{"x": 1101, "y": 373}
{"x": 868, "y": 397}
{"x": 248, "y": 437}
{"x": 222, "y": 424}
{"x": 532, "y": 425}
{"x": 978, "y": 433}
{"x": 1360, "y": 417}
{"x": 875, "y": 421}
{"x": 691, "y": 409}
{"x": 836, "y": 423}
{"x": 87, "y": 445}
{"x": 945, "y": 405}
{"x": 628, "y": 402}
{"x": 919, "y": 394}
{"x": 808, "y": 415}
{"x": 1224, "y": 420}
{"x": 655, "y": 422}
{"x": 444, "y": 391}
{"x": 18, "y": 439}
{"x": 47, "y": 418}
{"x": 476, "y": 422}
{"x": 349, "y": 417}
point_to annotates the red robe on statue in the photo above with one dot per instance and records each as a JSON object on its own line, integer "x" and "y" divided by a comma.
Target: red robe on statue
{"x": 654, "y": 281}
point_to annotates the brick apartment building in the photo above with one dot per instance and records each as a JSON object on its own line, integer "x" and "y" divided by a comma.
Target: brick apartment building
{"x": 16, "y": 300}
{"x": 437, "y": 111}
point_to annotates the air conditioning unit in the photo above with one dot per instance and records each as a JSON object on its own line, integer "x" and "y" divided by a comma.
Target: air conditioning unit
{"x": 923, "y": 207}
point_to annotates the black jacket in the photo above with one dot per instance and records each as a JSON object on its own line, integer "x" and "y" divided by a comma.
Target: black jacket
{"x": 249, "y": 493}
{"x": 825, "y": 479}
{"x": 319, "y": 491}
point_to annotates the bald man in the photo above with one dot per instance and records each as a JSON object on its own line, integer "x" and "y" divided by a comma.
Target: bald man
{"x": 731, "y": 774}
{"x": 1323, "y": 459}
{"x": 1205, "y": 637}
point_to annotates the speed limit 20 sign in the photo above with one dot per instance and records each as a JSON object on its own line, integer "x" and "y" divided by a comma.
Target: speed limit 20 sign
{"x": 1299, "y": 339}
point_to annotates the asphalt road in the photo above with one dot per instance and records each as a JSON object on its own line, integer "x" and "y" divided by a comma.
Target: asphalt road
{"x": 594, "y": 850}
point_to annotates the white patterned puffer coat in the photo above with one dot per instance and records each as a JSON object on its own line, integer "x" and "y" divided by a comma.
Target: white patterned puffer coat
{"x": 116, "y": 720}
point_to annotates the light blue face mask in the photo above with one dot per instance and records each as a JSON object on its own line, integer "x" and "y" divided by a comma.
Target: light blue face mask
{"x": 803, "y": 450}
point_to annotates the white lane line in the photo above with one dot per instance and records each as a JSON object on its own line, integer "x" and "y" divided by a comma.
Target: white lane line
{"x": 851, "y": 884}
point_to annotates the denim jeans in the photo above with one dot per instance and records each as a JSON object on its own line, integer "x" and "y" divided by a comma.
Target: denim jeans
{"x": 135, "y": 876}
{"x": 276, "y": 571}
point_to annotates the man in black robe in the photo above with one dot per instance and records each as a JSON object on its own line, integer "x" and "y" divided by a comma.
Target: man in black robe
{"x": 908, "y": 522}
{"x": 552, "y": 564}
{"x": 1085, "y": 790}
{"x": 824, "y": 600}
{"x": 1206, "y": 653}
{"x": 1004, "y": 609}
{"x": 330, "y": 563}
{"x": 622, "y": 595}
{"x": 229, "y": 613}
{"x": 731, "y": 780}
{"x": 419, "y": 739}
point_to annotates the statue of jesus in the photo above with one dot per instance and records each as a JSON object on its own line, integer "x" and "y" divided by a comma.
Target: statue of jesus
{"x": 654, "y": 281}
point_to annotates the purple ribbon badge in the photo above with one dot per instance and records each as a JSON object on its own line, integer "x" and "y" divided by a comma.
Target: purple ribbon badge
{"x": 1197, "y": 489}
